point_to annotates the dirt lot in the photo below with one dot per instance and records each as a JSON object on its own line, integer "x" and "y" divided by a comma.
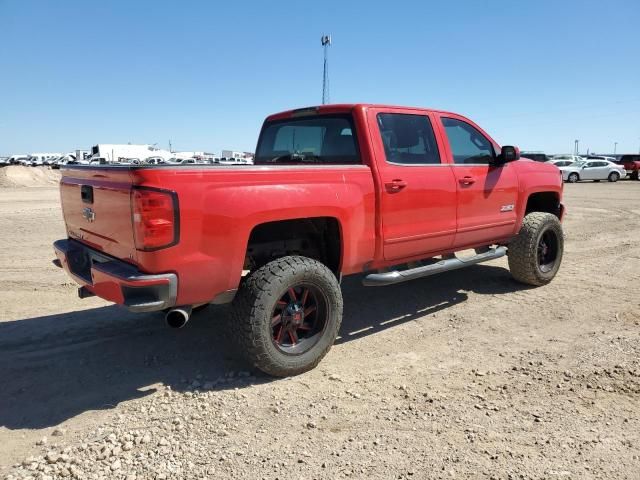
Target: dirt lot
{"x": 466, "y": 375}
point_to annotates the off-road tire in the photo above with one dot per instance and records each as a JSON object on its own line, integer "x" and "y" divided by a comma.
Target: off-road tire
{"x": 254, "y": 304}
{"x": 573, "y": 178}
{"x": 523, "y": 250}
{"x": 613, "y": 177}
{"x": 634, "y": 175}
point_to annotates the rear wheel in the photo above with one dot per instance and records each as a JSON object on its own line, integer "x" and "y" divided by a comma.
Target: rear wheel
{"x": 634, "y": 176}
{"x": 614, "y": 177}
{"x": 536, "y": 253}
{"x": 287, "y": 315}
{"x": 573, "y": 177}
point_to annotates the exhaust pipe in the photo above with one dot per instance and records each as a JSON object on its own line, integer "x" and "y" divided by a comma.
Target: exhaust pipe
{"x": 178, "y": 317}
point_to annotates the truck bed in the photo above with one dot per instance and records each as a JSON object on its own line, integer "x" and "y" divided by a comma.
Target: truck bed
{"x": 218, "y": 206}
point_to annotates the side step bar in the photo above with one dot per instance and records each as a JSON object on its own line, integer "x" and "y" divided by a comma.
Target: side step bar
{"x": 389, "y": 278}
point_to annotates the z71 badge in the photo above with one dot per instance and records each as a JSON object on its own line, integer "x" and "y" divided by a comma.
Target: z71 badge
{"x": 507, "y": 208}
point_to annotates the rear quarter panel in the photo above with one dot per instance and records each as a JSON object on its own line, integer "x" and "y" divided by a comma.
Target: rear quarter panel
{"x": 219, "y": 207}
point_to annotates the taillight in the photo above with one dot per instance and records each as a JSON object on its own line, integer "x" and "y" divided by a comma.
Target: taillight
{"x": 155, "y": 218}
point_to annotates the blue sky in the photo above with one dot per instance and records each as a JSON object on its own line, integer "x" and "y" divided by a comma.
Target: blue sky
{"x": 204, "y": 74}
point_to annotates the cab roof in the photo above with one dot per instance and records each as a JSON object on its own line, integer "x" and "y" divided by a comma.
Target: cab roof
{"x": 344, "y": 108}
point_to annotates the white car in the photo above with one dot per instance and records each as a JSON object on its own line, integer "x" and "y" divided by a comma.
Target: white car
{"x": 595, "y": 170}
{"x": 573, "y": 158}
{"x": 560, "y": 162}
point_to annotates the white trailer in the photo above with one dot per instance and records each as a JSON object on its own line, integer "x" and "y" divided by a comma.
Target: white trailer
{"x": 114, "y": 153}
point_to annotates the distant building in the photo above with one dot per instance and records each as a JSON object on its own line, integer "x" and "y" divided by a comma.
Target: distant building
{"x": 237, "y": 155}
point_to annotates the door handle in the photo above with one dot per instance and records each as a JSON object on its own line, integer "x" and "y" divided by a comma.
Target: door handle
{"x": 467, "y": 180}
{"x": 395, "y": 185}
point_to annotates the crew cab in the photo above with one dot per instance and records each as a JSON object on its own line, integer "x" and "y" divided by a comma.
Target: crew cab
{"x": 631, "y": 164}
{"x": 391, "y": 193}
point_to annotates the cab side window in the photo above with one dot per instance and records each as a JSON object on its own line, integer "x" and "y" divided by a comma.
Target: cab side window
{"x": 408, "y": 139}
{"x": 468, "y": 145}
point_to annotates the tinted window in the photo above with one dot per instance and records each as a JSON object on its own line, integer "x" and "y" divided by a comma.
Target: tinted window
{"x": 321, "y": 139}
{"x": 408, "y": 139}
{"x": 468, "y": 145}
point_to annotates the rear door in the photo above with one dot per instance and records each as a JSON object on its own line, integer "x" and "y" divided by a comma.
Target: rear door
{"x": 417, "y": 185}
{"x": 487, "y": 195}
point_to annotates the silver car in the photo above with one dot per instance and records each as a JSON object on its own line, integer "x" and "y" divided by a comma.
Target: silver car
{"x": 595, "y": 170}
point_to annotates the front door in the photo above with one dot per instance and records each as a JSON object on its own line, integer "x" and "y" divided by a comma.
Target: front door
{"x": 418, "y": 191}
{"x": 487, "y": 194}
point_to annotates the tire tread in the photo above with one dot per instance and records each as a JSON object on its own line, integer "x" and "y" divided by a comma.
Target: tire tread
{"x": 249, "y": 310}
{"x": 523, "y": 249}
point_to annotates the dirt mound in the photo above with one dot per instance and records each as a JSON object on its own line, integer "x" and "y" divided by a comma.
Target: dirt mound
{"x": 19, "y": 176}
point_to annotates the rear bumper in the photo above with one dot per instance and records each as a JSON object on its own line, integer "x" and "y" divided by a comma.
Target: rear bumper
{"x": 115, "y": 280}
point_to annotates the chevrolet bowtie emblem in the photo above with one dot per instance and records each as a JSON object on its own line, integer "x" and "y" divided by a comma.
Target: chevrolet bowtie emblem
{"x": 89, "y": 214}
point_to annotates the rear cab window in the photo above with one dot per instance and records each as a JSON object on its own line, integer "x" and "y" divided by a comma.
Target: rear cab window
{"x": 320, "y": 139}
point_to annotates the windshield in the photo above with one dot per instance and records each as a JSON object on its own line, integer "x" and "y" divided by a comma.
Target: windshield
{"x": 320, "y": 139}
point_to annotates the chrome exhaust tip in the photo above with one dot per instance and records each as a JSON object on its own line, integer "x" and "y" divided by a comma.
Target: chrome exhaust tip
{"x": 178, "y": 317}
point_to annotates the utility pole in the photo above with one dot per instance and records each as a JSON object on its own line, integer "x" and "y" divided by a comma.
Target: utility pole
{"x": 325, "y": 40}
{"x": 577, "y": 147}
{"x": 615, "y": 147}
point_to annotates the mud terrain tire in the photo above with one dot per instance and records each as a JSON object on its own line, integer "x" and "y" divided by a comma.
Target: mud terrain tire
{"x": 308, "y": 322}
{"x": 536, "y": 253}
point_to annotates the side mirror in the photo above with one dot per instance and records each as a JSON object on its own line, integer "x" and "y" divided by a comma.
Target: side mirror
{"x": 507, "y": 154}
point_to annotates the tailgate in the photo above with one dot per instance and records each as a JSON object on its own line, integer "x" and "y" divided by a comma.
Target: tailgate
{"x": 96, "y": 206}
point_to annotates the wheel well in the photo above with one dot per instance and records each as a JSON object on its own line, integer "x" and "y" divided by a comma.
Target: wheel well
{"x": 544, "y": 202}
{"x": 318, "y": 238}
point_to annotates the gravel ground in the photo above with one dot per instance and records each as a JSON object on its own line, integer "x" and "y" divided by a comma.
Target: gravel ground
{"x": 465, "y": 375}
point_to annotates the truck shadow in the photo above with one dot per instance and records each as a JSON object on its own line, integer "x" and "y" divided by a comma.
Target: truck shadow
{"x": 56, "y": 367}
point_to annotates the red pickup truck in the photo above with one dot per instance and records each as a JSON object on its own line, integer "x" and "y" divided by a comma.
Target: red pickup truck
{"x": 388, "y": 192}
{"x": 631, "y": 164}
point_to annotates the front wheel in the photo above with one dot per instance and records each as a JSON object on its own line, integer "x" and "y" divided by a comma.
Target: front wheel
{"x": 536, "y": 252}
{"x": 573, "y": 178}
{"x": 614, "y": 177}
{"x": 287, "y": 315}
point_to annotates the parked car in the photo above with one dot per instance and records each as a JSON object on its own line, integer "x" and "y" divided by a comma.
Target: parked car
{"x": 537, "y": 156}
{"x": 599, "y": 157}
{"x": 573, "y": 158}
{"x": 595, "y": 170}
{"x": 183, "y": 161}
{"x": 358, "y": 193}
{"x": 39, "y": 159}
{"x": 631, "y": 164}
{"x": 560, "y": 163}
{"x": 17, "y": 159}
{"x": 155, "y": 161}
